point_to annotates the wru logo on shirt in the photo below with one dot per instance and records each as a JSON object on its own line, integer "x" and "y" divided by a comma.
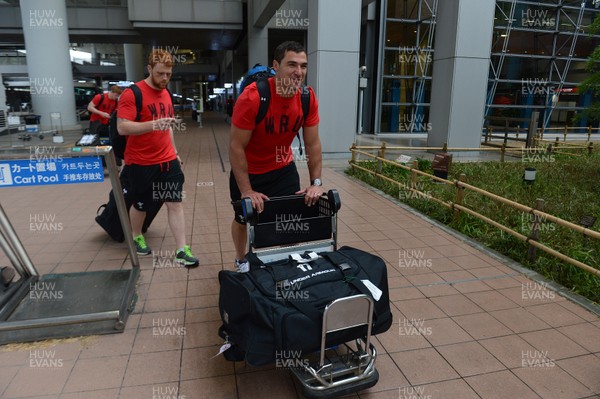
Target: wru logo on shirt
{"x": 161, "y": 111}
{"x": 284, "y": 124}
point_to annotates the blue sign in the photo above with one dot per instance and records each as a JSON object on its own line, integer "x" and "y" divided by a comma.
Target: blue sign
{"x": 43, "y": 169}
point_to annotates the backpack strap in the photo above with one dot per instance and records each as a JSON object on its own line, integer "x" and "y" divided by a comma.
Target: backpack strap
{"x": 101, "y": 100}
{"x": 305, "y": 98}
{"x": 264, "y": 94}
{"x": 137, "y": 93}
{"x": 171, "y": 95}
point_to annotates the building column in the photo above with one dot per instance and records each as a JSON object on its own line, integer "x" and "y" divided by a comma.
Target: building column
{"x": 134, "y": 62}
{"x": 461, "y": 63}
{"x": 258, "y": 39}
{"x": 333, "y": 58}
{"x": 46, "y": 34}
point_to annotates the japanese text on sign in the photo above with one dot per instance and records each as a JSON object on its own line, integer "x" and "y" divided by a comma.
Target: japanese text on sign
{"x": 35, "y": 172}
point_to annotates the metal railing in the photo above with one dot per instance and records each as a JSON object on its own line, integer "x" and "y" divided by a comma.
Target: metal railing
{"x": 458, "y": 205}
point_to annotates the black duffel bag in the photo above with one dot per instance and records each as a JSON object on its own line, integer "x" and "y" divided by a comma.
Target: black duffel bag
{"x": 279, "y": 306}
{"x": 107, "y": 215}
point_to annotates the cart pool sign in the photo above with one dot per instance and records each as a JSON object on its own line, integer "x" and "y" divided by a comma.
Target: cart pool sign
{"x": 34, "y": 172}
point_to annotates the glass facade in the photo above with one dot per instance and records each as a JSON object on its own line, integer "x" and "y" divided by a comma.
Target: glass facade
{"x": 407, "y": 61}
{"x": 538, "y": 57}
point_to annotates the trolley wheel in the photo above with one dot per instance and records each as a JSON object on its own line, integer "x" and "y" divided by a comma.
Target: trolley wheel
{"x": 342, "y": 390}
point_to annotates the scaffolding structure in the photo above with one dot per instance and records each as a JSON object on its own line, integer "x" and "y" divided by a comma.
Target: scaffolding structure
{"x": 556, "y": 74}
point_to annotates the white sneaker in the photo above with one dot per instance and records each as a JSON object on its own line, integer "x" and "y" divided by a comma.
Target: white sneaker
{"x": 242, "y": 266}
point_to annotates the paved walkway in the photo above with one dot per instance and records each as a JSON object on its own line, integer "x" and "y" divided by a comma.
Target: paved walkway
{"x": 466, "y": 325}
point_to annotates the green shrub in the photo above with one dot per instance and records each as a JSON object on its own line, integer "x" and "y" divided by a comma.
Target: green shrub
{"x": 570, "y": 187}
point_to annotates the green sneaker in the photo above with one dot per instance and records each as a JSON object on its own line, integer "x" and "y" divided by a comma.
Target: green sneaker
{"x": 186, "y": 258}
{"x": 140, "y": 246}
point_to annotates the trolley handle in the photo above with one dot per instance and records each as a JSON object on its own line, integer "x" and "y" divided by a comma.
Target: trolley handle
{"x": 251, "y": 216}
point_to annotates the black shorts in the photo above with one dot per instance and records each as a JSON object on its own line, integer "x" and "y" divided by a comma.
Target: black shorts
{"x": 97, "y": 127}
{"x": 277, "y": 183}
{"x": 150, "y": 183}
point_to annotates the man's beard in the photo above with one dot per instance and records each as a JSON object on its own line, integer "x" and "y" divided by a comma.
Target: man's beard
{"x": 159, "y": 83}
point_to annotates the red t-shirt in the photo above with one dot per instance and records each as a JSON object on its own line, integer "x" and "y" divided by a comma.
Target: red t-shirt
{"x": 269, "y": 147}
{"x": 107, "y": 106}
{"x": 155, "y": 146}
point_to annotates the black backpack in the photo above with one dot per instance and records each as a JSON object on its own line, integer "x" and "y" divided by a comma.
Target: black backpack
{"x": 117, "y": 141}
{"x": 260, "y": 74}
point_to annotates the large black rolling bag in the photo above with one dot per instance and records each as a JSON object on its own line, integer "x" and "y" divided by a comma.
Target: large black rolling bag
{"x": 278, "y": 307}
{"x": 108, "y": 216}
{"x": 296, "y": 272}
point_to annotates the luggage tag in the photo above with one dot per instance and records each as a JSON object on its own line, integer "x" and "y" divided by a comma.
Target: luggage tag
{"x": 305, "y": 257}
{"x": 223, "y": 348}
{"x": 373, "y": 289}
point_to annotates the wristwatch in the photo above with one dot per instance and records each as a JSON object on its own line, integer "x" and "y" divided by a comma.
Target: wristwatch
{"x": 316, "y": 182}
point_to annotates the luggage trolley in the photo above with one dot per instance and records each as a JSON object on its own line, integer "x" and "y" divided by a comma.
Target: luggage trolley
{"x": 338, "y": 370}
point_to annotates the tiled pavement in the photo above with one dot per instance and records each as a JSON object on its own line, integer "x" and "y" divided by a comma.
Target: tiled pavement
{"x": 466, "y": 325}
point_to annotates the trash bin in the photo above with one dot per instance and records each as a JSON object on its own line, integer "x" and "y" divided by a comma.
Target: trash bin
{"x": 441, "y": 165}
{"x": 32, "y": 119}
{"x": 32, "y": 123}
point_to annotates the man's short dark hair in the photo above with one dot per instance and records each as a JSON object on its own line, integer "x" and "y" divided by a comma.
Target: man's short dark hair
{"x": 285, "y": 47}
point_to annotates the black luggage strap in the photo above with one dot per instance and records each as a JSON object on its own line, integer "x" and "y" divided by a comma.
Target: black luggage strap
{"x": 307, "y": 309}
{"x": 345, "y": 264}
{"x": 254, "y": 261}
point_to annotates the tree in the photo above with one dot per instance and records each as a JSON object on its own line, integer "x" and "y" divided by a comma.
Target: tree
{"x": 593, "y": 81}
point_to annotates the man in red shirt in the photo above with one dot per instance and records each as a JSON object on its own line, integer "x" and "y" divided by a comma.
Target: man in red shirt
{"x": 259, "y": 154}
{"x": 100, "y": 108}
{"x": 151, "y": 157}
